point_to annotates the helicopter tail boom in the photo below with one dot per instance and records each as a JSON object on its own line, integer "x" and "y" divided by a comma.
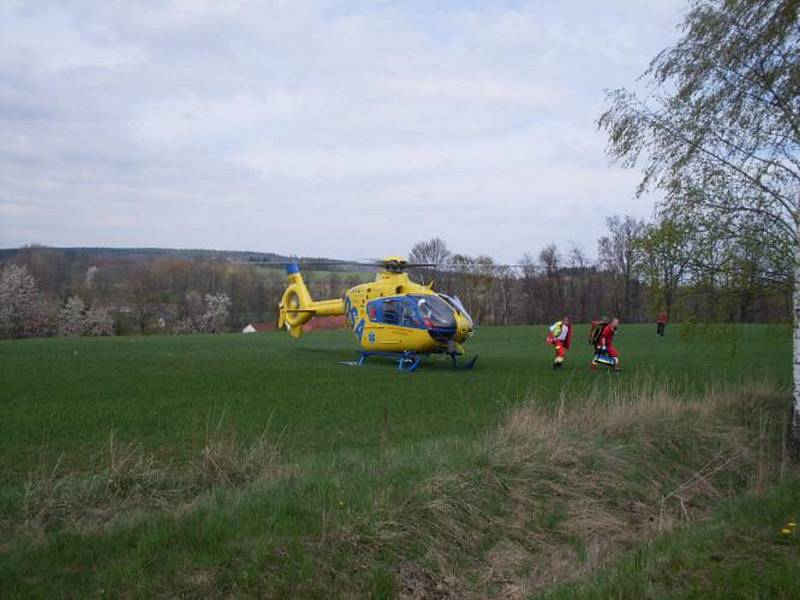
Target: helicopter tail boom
{"x": 297, "y": 307}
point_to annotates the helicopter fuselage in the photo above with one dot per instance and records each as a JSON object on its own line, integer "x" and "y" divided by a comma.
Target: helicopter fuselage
{"x": 395, "y": 314}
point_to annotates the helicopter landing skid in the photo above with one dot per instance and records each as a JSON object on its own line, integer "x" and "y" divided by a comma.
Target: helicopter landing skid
{"x": 463, "y": 367}
{"x": 406, "y": 361}
{"x": 409, "y": 361}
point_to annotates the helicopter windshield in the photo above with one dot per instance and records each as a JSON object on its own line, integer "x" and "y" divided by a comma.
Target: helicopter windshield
{"x": 435, "y": 311}
{"x": 456, "y": 303}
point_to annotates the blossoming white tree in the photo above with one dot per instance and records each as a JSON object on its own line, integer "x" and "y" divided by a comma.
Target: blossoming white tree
{"x": 72, "y": 317}
{"x": 204, "y": 314}
{"x": 77, "y": 320}
{"x": 21, "y": 311}
{"x": 217, "y": 309}
{"x": 98, "y": 321}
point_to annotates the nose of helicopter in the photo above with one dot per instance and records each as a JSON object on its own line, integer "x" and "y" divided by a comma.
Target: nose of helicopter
{"x": 458, "y": 331}
{"x": 464, "y": 328}
{"x": 442, "y": 334}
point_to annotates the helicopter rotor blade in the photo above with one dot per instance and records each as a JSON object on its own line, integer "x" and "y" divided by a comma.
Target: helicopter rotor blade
{"x": 456, "y": 266}
{"x": 445, "y": 266}
{"x": 384, "y": 264}
{"x": 302, "y": 262}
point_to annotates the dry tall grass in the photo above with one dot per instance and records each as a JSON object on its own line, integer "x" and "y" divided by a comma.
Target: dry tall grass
{"x": 127, "y": 478}
{"x": 563, "y": 490}
{"x": 226, "y": 462}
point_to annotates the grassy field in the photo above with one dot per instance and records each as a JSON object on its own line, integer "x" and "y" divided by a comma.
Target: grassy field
{"x": 67, "y": 395}
{"x": 259, "y": 465}
{"x": 741, "y": 553}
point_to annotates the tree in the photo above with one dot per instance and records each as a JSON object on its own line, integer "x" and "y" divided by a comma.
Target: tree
{"x": 21, "y": 311}
{"x": 143, "y": 293}
{"x": 666, "y": 253}
{"x": 618, "y": 252}
{"x": 434, "y": 252}
{"x": 204, "y": 315}
{"x": 719, "y": 131}
{"x": 77, "y": 320}
{"x": 528, "y": 272}
{"x": 460, "y": 283}
{"x": 505, "y": 282}
{"x": 579, "y": 283}
{"x": 217, "y": 310}
{"x": 192, "y": 309}
{"x": 430, "y": 251}
{"x": 98, "y": 321}
{"x": 49, "y": 267}
{"x": 550, "y": 260}
{"x": 482, "y": 279}
{"x": 72, "y": 317}
{"x": 732, "y": 272}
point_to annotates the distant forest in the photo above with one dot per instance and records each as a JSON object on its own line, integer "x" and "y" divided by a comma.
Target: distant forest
{"x": 642, "y": 270}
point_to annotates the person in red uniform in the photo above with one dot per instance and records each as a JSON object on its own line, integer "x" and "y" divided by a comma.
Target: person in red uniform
{"x": 661, "y": 323}
{"x": 560, "y": 336}
{"x": 606, "y": 343}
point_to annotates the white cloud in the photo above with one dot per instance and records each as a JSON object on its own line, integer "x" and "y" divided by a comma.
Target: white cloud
{"x": 361, "y": 125}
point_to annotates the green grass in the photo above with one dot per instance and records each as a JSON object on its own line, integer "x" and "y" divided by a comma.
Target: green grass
{"x": 355, "y": 444}
{"x": 740, "y": 553}
{"x": 67, "y": 395}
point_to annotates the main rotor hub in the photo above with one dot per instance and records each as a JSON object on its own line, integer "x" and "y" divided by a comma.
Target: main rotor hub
{"x": 395, "y": 264}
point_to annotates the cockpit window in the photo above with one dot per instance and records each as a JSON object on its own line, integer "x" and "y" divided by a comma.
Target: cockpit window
{"x": 456, "y": 303}
{"x": 401, "y": 310}
{"x": 435, "y": 311}
{"x": 390, "y": 311}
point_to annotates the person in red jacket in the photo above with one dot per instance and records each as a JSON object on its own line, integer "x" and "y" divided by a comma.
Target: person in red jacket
{"x": 661, "y": 323}
{"x": 605, "y": 346}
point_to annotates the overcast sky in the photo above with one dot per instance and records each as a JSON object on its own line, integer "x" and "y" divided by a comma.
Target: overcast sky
{"x": 343, "y": 129}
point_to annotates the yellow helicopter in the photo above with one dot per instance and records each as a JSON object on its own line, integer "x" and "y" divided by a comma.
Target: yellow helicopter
{"x": 392, "y": 316}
